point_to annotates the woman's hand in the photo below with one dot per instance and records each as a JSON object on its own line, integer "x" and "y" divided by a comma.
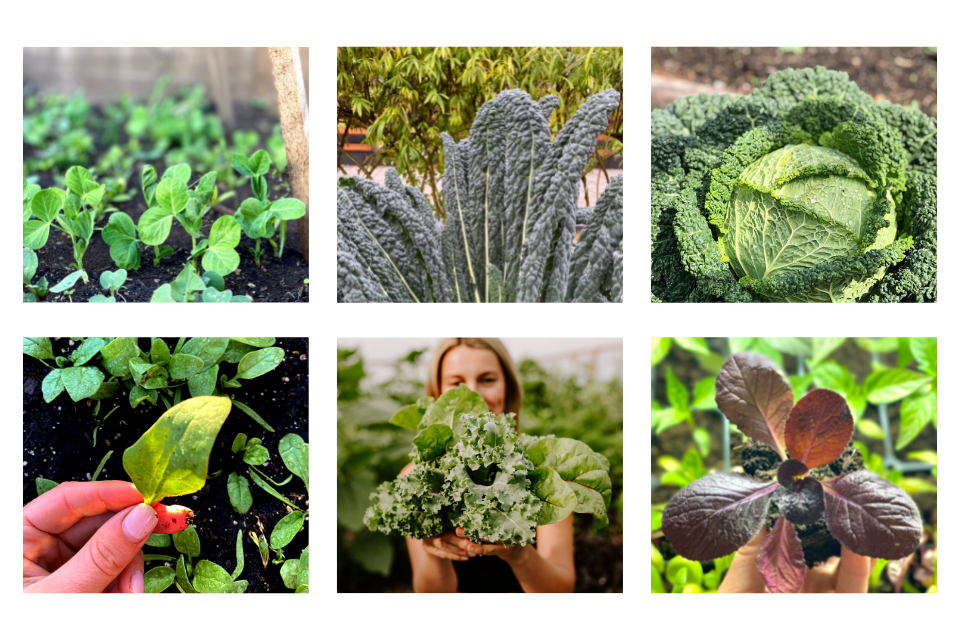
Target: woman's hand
{"x": 498, "y": 549}
{"x": 847, "y": 574}
{"x": 87, "y": 537}
{"x": 448, "y": 546}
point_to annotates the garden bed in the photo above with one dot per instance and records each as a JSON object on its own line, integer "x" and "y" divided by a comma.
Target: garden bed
{"x": 58, "y": 445}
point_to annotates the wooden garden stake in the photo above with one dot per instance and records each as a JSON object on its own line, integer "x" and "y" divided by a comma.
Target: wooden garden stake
{"x": 294, "y": 121}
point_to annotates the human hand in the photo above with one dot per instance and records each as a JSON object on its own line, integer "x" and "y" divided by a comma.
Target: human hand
{"x": 447, "y": 546}
{"x": 497, "y": 549}
{"x": 87, "y": 536}
{"x": 847, "y": 574}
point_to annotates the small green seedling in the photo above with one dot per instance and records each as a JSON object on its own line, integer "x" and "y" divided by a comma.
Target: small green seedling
{"x": 254, "y": 455}
{"x": 190, "y": 287}
{"x": 296, "y": 572}
{"x": 259, "y": 217}
{"x": 98, "y": 422}
{"x": 71, "y": 211}
{"x": 73, "y": 374}
{"x": 37, "y": 291}
{"x": 113, "y": 282}
{"x": 203, "y": 577}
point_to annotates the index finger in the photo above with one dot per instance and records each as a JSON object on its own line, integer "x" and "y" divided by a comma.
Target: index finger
{"x": 65, "y": 505}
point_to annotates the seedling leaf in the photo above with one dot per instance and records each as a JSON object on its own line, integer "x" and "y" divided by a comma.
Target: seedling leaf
{"x": 756, "y": 397}
{"x": 171, "y": 458}
{"x": 716, "y": 515}
{"x": 781, "y": 559}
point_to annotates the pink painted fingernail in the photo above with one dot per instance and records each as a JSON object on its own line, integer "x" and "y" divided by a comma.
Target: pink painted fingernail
{"x": 139, "y": 523}
{"x": 136, "y": 581}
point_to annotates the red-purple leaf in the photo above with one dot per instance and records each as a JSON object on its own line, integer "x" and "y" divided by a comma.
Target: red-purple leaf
{"x": 819, "y": 428}
{"x": 716, "y": 515}
{"x": 789, "y": 470}
{"x": 781, "y": 559}
{"x": 872, "y": 517}
{"x": 756, "y": 397}
{"x": 801, "y": 502}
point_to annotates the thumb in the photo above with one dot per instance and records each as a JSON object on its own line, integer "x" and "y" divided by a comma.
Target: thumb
{"x": 106, "y": 553}
{"x": 744, "y": 576}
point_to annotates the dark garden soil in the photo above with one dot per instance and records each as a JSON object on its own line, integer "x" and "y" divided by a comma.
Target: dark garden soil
{"x": 58, "y": 445}
{"x": 275, "y": 280}
{"x": 898, "y": 74}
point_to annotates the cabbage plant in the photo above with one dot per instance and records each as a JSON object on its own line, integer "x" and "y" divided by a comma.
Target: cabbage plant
{"x": 804, "y": 191}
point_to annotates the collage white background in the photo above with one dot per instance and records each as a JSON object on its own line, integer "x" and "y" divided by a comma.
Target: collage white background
{"x": 320, "y": 25}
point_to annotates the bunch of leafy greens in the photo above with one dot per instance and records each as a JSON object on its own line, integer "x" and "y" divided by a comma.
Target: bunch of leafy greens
{"x": 717, "y": 514}
{"x": 474, "y": 471}
{"x": 511, "y": 217}
{"x": 804, "y": 191}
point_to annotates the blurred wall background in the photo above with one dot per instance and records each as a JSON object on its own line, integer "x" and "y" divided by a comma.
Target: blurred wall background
{"x": 104, "y": 73}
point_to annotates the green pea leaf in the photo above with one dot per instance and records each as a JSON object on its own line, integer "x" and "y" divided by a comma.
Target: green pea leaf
{"x": 29, "y": 265}
{"x": 113, "y": 279}
{"x": 178, "y": 173}
{"x": 75, "y": 178}
{"x": 148, "y": 182}
{"x": 35, "y": 234}
{"x": 155, "y": 226}
{"x": 47, "y": 204}
{"x": 121, "y": 234}
{"x": 171, "y": 458}
{"x": 258, "y": 363}
{"x": 172, "y": 195}
{"x": 285, "y": 530}
{"x": 221, "y": 255}
{"x": 67, "y": 283}
{"x": 288, "y": 209}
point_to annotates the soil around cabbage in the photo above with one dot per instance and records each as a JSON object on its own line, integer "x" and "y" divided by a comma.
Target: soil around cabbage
{"x": 58, "y": 445}
{"x": 898, "y": 74}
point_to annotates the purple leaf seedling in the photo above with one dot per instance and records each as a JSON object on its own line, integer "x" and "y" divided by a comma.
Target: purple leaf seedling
{"x": 719, "y": 513}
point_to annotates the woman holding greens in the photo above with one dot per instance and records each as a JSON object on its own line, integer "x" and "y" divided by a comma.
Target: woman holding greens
{"x": 451, "y": 562}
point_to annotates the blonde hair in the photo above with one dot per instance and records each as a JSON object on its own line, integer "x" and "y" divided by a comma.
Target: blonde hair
{"x": 514, "y": 391}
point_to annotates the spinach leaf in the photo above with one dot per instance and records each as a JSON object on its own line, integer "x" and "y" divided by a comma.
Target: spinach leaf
{"x": 171, "y": 458}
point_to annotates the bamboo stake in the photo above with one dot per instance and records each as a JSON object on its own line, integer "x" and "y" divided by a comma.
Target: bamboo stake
{"x": 294, "y": 121}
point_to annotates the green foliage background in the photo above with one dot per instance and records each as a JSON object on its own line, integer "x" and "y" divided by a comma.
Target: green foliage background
{"x": 406, "y": 96}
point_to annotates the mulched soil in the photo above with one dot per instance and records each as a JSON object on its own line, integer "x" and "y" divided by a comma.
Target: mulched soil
{"x": 898, "y": 74}
{"x": 58, "y": 445}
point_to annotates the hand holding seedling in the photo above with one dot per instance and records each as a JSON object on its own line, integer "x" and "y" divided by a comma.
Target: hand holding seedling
{"x": 86, "y": 537}
{"x": 849, "y": 573}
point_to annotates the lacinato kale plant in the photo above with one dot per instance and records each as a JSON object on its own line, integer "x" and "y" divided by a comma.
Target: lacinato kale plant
{"x": 511, "y": 200}
{"x": 474, "y": 471}
{"x": 804, "y": 191}
{"x": 717, "y": 514}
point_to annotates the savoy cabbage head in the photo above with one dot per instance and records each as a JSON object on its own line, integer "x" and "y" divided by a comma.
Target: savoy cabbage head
{"x": 509, "y": 236}
{"x": 804, "y": 191}
{"x": 474, "y": 471}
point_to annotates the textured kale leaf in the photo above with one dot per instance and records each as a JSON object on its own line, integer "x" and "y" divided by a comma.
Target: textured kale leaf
{"x": 474, "y": 471}
{"x": 511, "y": 203}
